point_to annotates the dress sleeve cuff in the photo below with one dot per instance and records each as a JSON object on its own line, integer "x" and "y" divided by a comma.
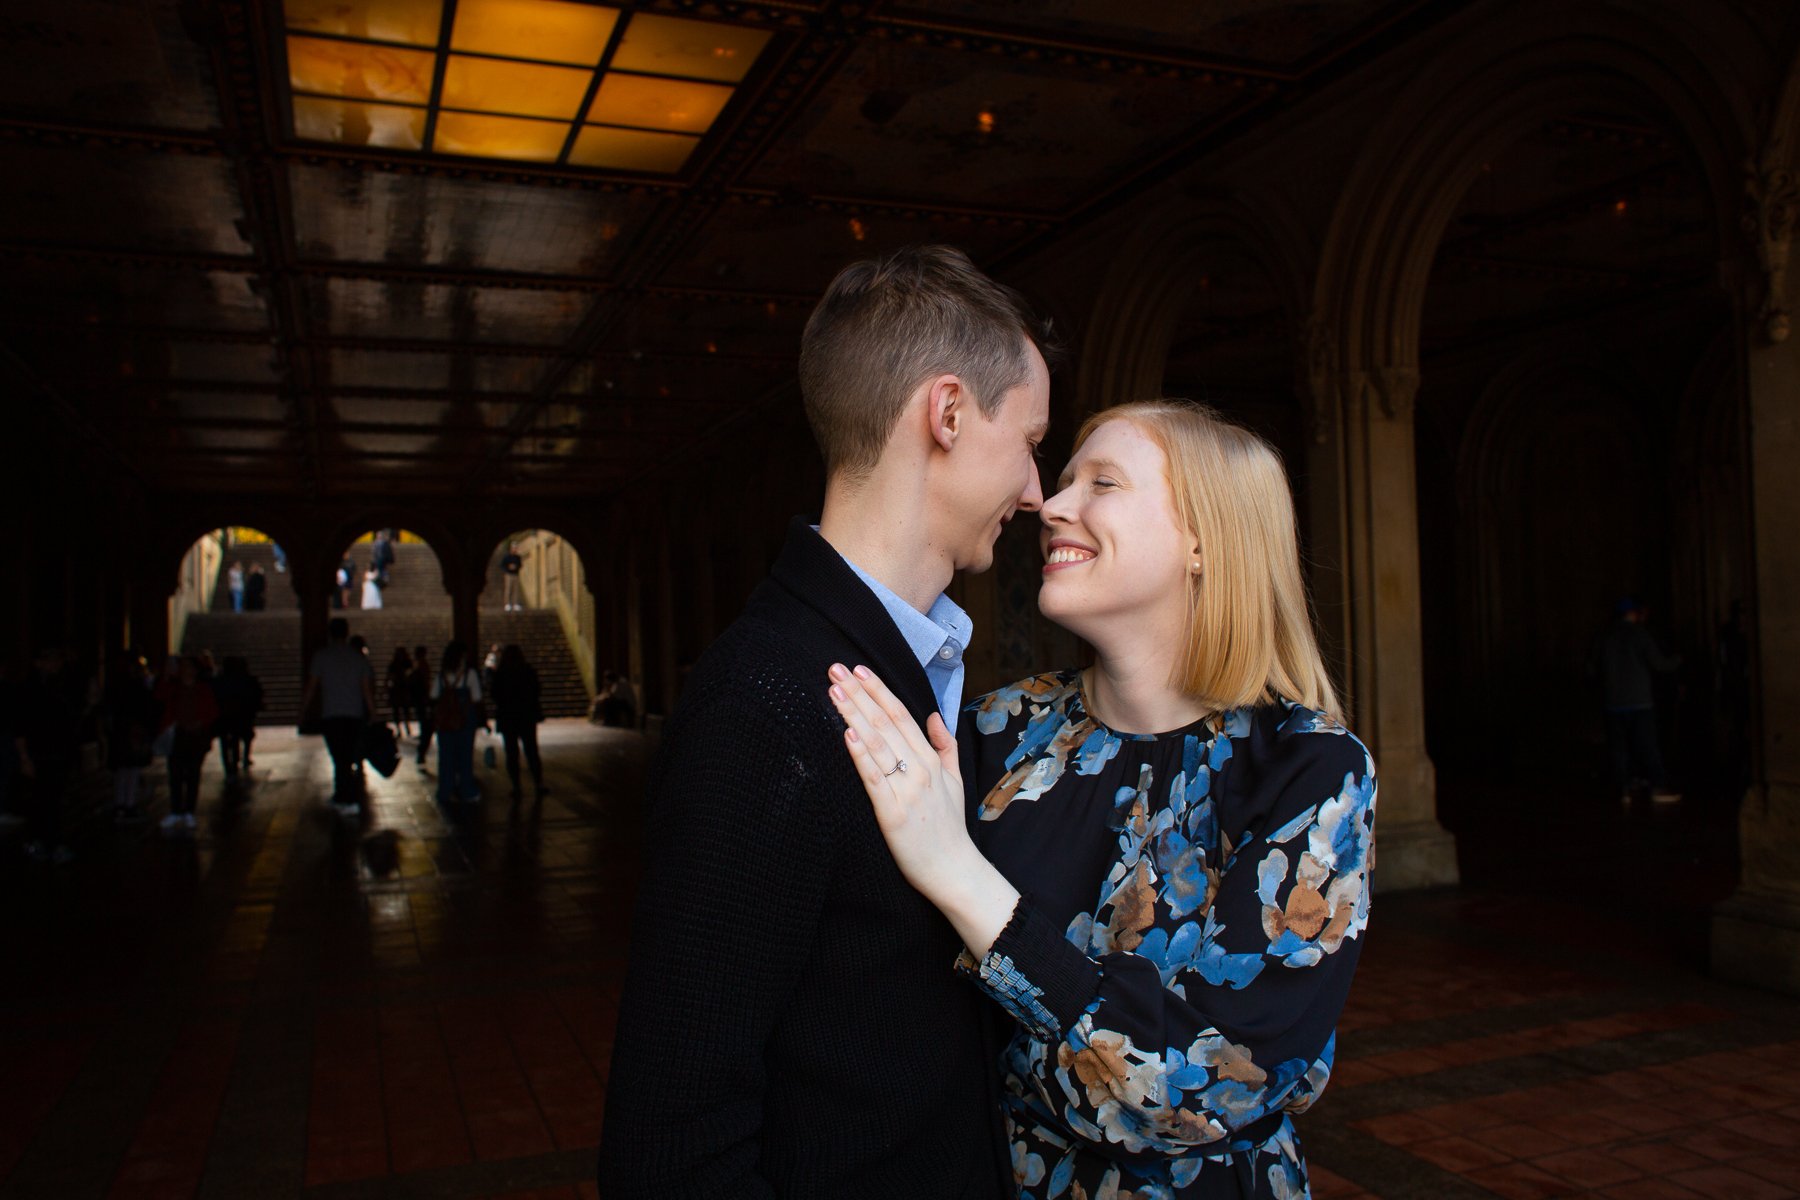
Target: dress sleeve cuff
{"x": 1034, "y": 973}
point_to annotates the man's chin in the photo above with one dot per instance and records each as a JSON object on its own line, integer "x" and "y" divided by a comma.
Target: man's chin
{"x": 978, "y": 562}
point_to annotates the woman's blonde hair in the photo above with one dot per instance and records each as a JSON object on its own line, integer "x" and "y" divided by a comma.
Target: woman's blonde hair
{"x": 1249, "y": 634}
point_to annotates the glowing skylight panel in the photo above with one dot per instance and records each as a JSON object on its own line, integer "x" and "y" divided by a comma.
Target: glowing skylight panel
{"x": 548, "y": 81}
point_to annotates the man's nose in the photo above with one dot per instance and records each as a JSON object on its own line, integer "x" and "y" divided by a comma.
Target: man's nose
{"x": 1032, "y": 498}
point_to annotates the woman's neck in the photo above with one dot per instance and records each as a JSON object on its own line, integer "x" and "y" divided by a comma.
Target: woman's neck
{"x": 1133, "y": 692}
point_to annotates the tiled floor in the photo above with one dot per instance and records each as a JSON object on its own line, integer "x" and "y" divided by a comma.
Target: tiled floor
{"x": 422, "y": 1006}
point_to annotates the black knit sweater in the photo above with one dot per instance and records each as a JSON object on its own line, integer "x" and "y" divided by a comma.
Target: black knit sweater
{"x": 791, "y": 1024}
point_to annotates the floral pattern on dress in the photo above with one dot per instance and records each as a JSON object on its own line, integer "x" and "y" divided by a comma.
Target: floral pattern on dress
{"x": 1219, "y": 940}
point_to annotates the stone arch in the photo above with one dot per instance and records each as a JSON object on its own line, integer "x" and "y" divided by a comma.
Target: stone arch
{"x": 579, "y": 533}
{"x": 177, "y": 532}
{"x": 1126, "y": 348}
{"x": 445, "y": 545}
{"x": 1489, "y": 473}
{"x": 1478, "y": 97}
{"x": 1523, "y": 632}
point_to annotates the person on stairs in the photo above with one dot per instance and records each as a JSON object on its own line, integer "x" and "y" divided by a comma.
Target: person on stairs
{"x": 510, "y": 566}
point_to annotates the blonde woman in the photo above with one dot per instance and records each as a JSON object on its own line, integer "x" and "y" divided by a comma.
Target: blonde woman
{"x": 1168, "y": 875}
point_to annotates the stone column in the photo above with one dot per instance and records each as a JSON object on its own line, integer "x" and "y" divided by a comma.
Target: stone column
{"x": 1756, "y": 933}
{"x": 1319, "y": 386}
{"x": 312, "y": 581}
{"x": 465, "y": 610}
{"x": 1386, "y": 654}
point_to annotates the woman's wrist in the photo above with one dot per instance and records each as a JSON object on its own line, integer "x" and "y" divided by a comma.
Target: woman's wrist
{"x": 978, "y": 901}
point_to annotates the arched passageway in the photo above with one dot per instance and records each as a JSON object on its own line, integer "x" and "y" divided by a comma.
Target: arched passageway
{"x": 1567, "y": 327}
{"x": 235, "y": 598}
{"x": 536, "y": 595}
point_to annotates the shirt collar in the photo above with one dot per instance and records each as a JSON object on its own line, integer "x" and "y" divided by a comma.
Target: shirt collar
{"x": 925, "y": 633}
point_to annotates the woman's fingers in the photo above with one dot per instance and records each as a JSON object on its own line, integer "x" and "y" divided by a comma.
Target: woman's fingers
{"x": 869, "y": 735}
{"x": 894, "y": 710}
{"x": 864, "y": 762}
{"x": 879, "y": 707}
{"x": 944, "y": 742}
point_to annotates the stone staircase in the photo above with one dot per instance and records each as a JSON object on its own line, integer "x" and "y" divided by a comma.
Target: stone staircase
{"x": 415, "y": 612}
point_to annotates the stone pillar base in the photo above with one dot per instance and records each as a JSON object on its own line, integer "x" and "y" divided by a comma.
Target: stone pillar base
{"x": 1756, "y": 940}
{"x": 1412, "y": 855}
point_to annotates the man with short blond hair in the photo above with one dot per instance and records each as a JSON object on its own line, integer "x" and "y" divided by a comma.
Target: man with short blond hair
{"x": 791, "y": 1025}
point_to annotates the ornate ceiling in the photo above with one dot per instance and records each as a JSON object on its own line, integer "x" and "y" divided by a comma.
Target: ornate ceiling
{"x": 228, "y": 304}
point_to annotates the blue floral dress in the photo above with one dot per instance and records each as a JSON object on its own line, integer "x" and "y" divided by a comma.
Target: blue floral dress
{"x": 1193, "y": 904}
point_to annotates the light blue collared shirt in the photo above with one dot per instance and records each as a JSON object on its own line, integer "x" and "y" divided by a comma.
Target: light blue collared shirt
{"x": 937, "y": 639}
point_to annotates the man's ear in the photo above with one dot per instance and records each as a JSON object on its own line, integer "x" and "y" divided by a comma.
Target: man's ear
{"x": 945, "y": 401}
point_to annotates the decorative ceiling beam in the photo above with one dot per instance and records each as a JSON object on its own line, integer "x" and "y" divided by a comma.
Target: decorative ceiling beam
{"x": 232, "y": 34}
{"x": 193, "y": 260}
{"x": 784, "y": 92}
{"x": 168, "y": 425}
{"x": 359, "y": 158}
{"x": 1239, "y": 120}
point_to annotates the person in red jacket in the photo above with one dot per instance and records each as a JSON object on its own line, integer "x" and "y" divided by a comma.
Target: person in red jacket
{"x": 191, "y": 710}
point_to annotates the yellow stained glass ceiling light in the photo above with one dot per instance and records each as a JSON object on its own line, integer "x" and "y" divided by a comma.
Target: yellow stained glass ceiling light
{"x": 551, "y": 81}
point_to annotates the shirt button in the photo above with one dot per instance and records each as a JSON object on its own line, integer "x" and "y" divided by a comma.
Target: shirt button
{"x": 946, "y": 654}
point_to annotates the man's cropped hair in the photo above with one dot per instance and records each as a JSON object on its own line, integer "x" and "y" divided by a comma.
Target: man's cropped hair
{"x": 886, "y": 325}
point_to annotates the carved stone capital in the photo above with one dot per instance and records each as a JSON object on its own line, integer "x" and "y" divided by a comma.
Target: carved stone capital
{"x": 1772, "y": 205}
{"x": 1318, "y": 382}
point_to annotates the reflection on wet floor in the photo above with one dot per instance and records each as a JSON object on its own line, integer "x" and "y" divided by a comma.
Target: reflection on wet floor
{"x": 422, "y": 1003}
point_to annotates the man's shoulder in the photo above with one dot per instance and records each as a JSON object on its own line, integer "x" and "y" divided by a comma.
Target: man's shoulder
{"x": 766, "y": 672}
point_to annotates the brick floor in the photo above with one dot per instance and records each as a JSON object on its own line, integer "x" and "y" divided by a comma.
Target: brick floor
{"x": 423, "y": 1004}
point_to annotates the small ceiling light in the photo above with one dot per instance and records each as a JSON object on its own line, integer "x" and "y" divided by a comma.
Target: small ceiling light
{"x": 985, "y": 121}
{"x": 1620, "y": 206}
{"x": 770, "y": 309}
{"x": 712, "y": 347}
{"x": 858, "y": 230}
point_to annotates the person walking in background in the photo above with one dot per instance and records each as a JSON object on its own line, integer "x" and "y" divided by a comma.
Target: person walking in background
{"x": 190, "y": 712}
{"x": 371, "y": 589}
{"x": 280, "y": 558}
{"x": 130, "y": 712}
{"x": 234, "y": 583}
{"x": 510, "y": 567}
{"x": 46, "y": 725}
{"x": 397, "y": 680}
{"x": 489, "y": 665}
{"x": 256, "y": 589}
{"x": 343, "y": 683}
{"x": 346, "y": 582}
{"x": 456, "y": 715}
{"x": 518, "y": 708}
{"x": 418, "y": 683}
{"x": 240, "y": 698}
{"x": 1627, "y": 661}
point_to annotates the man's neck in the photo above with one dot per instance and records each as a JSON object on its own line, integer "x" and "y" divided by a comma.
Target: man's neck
{"x": 883, "y": 529}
